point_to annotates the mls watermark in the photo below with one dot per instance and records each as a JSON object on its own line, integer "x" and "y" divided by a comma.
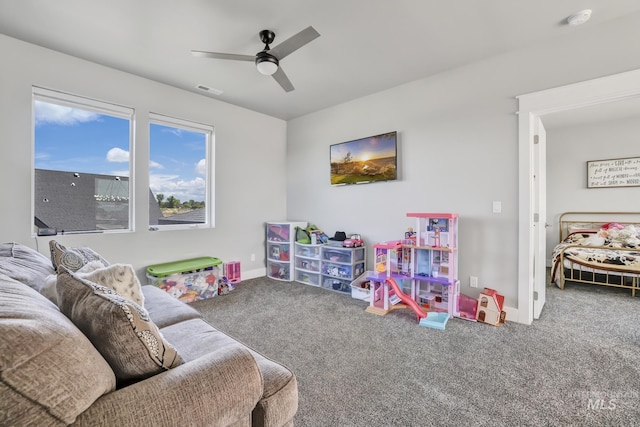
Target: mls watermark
{"x": 609, "y": 400}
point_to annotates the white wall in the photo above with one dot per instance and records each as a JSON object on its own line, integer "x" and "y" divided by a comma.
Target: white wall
{"x": 458, "y": 149}
{"x": 568, "y": 150}
{"x": 250, "y": 161}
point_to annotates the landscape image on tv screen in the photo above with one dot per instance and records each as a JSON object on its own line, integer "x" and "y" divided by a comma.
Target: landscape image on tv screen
{"x": 364, "y": 160}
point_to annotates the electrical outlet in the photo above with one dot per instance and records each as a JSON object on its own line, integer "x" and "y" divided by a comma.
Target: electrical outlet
{"x": 473, "y": 281}
{"x": 497, "y": 206}
{"x": 253, "y": 257}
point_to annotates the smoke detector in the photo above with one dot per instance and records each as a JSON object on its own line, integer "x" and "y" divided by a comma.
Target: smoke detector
{"x": 579, "y": 18}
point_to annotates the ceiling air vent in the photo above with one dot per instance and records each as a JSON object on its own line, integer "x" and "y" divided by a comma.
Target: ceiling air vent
{"x": 209, "y": 89}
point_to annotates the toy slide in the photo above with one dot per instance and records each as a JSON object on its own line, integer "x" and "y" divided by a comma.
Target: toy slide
{"x": 406, "y": 299}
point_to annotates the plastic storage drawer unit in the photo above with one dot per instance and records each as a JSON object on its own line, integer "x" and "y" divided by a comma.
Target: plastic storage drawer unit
{"x": 187, "y": 280}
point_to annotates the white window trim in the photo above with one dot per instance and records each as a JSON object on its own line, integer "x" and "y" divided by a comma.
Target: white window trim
{"x": 98, "y": 107}
{"x": 208, "y": 130}
{"x": 76, "y": 101}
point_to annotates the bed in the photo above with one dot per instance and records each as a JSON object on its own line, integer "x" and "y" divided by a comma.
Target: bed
{"x": 599, "y": 248}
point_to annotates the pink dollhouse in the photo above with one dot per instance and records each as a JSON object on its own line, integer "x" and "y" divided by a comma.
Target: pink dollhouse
{"x": 419, "y": 273}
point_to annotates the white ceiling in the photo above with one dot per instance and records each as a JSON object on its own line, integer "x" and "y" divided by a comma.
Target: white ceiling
{"x": 365, "y": 46}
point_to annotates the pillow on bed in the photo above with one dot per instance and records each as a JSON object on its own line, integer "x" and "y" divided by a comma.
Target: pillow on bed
{"x": 593, "y": 240}
{"x": 627, "y": 236}
{"x": 583, "y": 228}
{"x": 612, "y": 226}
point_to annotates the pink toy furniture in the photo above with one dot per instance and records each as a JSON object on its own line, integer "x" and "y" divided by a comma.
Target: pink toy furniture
{"x": 232, "y": 271}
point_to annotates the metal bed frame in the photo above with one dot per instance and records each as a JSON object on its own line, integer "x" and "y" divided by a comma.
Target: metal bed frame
{"x": 579, "y": 273}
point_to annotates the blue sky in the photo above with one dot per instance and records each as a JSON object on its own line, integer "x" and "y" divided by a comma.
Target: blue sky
{"x": 74, "y": 140}
{"x": 364, "y": 149}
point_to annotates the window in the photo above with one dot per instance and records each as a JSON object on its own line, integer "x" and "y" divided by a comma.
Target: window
{"x": 180, "y": 173}
{"x": 82, "y": 163}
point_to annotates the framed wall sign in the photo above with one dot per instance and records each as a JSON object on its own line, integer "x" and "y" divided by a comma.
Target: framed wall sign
{"x": 613, "y": 173}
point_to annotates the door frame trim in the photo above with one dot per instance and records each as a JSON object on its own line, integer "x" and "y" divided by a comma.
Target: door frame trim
{"x": 616, "y": 87}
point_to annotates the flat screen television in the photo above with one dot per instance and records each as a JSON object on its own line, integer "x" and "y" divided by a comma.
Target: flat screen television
{"x": 365, "y": 160}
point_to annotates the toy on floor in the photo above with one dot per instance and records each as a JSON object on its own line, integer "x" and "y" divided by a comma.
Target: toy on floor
{"x": 225, "y": 286}
{"x": 419, "y": 272}
{"x": 231, "y": 270}
{"x": 490, "y": 307}
{"x": 406, "y": 299}
{"x": 467, "y": 307}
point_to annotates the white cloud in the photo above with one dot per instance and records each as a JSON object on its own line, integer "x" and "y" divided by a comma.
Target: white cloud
{"x": 117, "y": 155}
{"x": 201, "y": 167}
{"x": 172, "y": 185}
{"x": 155, "y": 165}
{"x": 61, "y": 115}
{"x": 120, "y": 173}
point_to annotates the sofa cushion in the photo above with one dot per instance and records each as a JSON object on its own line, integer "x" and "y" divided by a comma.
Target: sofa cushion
{"x": 72, "y": 259}
{"x": 165, "y": 310}
{"x": 25, "y": 265}
{"x": 49, "y": 371}
{"x": 279, "y": 403}
{"x": 120, "y": 329}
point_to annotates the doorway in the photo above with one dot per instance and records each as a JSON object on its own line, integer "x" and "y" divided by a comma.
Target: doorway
{"x": 533, "y": 108}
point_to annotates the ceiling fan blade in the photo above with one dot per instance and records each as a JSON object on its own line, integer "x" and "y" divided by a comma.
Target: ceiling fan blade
{"x": 283, "y": 80}
{"x": 217, "y": 55}
{"x": 294, "y": 42}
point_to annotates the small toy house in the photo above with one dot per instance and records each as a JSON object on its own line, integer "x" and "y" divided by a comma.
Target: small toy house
{"x": 490, "y": 304}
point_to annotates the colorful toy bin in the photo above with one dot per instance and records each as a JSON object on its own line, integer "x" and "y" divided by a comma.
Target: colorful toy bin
{"x": 187, "y": 280}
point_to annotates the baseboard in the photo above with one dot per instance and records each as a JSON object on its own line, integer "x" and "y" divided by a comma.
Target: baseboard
{"x": 252, "y": 274}
{"x": 513, "y": 315}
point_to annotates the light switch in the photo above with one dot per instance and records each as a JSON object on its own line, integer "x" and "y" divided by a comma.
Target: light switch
{"x": 497, "y": 207}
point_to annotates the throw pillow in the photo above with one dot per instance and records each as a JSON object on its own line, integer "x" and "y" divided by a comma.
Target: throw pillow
{"x": 120, "y": 329}
{"x": 25, "y": 265}
{"x": 119, "y": 277}
{"x": 72, "y": 259}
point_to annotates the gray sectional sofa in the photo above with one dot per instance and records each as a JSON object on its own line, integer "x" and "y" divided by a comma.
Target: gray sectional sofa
{"x": 66, "y": 363}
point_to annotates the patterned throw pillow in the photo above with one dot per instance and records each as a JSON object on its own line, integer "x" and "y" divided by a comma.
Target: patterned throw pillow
{"x": 120, "y": 329}
{"x": 72, "y": 259}
{"x": 119, "y": 277}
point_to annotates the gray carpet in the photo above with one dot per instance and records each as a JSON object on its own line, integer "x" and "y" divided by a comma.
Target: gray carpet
{"x": 578, "y": 365}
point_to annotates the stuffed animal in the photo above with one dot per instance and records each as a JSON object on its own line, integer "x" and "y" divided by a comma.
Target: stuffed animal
{"x": 200, "y": 283}
{"x": 627, "y": 236}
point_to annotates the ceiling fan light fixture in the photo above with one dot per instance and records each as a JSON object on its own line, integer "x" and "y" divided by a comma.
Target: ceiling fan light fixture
{"x": 266, "y": 64}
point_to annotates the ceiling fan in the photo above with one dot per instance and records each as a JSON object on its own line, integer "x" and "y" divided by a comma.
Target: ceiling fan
{"x": 268, "y": 60}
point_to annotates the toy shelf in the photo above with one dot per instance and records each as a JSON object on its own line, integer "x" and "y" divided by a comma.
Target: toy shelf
{"x": 339, "y": 266}
{"x": 307, "y": 263}
{"x": 281, "y": 236}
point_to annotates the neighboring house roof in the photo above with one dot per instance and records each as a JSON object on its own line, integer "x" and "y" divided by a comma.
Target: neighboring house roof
{"x": 196, "y": 216}
{"x": 69, "y": 201}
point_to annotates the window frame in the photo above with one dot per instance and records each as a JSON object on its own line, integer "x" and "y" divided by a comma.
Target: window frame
{"x": 208, "y": 131}
{"x": 65, "y": 99}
